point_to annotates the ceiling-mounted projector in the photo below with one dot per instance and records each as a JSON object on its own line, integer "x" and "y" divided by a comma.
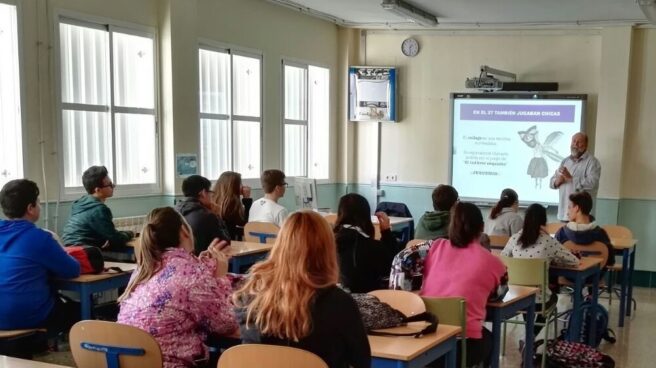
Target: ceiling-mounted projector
{"x": 488, "y": 81}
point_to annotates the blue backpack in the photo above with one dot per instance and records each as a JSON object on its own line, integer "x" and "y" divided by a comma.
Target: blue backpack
{"x": 593, "y": 313}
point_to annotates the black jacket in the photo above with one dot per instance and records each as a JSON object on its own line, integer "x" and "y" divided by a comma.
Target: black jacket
{"x": 205, "y": 224}
{"x": 235, "y": 223}
{"x": 337, "y": 335}
{"x": 364, "y": 262}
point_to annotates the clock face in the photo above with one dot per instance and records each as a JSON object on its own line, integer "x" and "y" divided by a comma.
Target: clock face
{"x": 410, "y": 47}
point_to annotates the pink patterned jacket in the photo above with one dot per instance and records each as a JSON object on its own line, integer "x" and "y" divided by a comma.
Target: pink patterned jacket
{"x": 179, "y": 306}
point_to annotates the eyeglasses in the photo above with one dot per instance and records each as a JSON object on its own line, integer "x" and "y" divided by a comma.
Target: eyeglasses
{"x": 284, "y": 184}
{"x": 110, "y": 185}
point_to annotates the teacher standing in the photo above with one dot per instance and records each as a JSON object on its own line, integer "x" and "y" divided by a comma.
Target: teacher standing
{"x": 578, "y": 172}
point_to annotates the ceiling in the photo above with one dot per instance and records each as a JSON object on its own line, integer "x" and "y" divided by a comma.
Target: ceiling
{"x": 476, "y": 13}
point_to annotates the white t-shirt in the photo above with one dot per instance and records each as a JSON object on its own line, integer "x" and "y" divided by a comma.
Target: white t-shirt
{"x": 266, "y": 210}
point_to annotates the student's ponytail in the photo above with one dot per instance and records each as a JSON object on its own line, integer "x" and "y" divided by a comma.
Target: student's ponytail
{"x": 161, "y": 232}
{"x": 508, "y": 198}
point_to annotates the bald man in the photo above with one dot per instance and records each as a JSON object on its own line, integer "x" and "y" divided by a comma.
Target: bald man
{"x": 579, "y": 172}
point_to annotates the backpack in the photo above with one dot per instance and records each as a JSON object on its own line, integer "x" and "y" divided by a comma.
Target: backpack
{"x": 566, "y": 354}
{"x": 378, "y": 315}
{"x": 90, "y": 258}
{"x": 593, "y": 313}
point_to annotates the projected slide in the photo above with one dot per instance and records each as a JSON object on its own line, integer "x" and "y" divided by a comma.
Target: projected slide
{"x": 511, "y": 143}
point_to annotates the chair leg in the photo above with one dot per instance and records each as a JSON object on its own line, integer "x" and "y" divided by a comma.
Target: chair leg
{"x": 503, "y": 340}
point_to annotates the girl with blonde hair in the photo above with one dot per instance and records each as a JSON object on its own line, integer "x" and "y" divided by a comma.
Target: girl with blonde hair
{"x": 176, "y": 297}
{"x": 231, "y": 202}
{"x": 292, "y": 297}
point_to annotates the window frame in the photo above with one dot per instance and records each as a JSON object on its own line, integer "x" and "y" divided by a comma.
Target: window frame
{"x": 232, "y": 50}
{"x": 305, "y": 64}
{"x": 21, "y": 84}
{"x": 111, "y": 26}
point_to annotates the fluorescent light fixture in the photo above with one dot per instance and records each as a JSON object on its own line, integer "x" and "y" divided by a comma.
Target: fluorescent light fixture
{"x": 649, "y": 8}
{"x": 410, "y": 12}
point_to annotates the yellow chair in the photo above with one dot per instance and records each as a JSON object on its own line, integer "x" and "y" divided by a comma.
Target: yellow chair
{"x": 553, "y": 227}
{"x": 415, "y": 242}
{"x": 595, "y": 249}
{"x": 97, "y": 344}
{"x": 615, "y": 232}
{"x": 405, "y": 302}
{"x": 498, "y": 241}
{"x": 618, "y": 231}
{"x": 531, "y": 272}
{"x": 261, "y": 232}
{"x": 377, "y": 233}
{"x": 451, "y": 311}
{"x": 270, "y": 356}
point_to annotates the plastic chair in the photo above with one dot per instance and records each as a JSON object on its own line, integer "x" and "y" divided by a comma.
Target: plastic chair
{"x": 617, "y": 232}
{"x": 451, "y": 311}
{"x": 97, "y": 344}
{"x": 405, "y": 302}
{"x": 532, "y": 272}
{"x": 331, "y": 218}
{"x": 498, "y": 241}
{"x": 261, "y": 232}
{"x": 270, "y": 356}
{"x": 595, "y": 249}
{"x": 553, "y": 227}
{"x": 415, "y": 242}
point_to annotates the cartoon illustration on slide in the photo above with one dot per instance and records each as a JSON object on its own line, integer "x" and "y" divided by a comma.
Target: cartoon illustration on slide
{"x": 538, "y": 168}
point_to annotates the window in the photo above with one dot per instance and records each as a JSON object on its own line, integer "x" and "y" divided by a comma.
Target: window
{"x": 11, "y": 148}
{"x": 230, "y": 86}
{"x": 306, "y": 106}
{"x": 108, "y": 104}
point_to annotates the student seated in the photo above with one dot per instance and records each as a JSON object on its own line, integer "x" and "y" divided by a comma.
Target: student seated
{"x": 504, "y": 219}
{"x": 363, "y": 260}
{"x": 91, "y": 220}
{"x": 435, "y": 224}
{"x": 267, "y": 209}
{"x": 196, "y": 208}
{"x": 533, "y": 241}
{"x": 228, "y": 205}
{"x": 176, "y": 297}
{"x": 292, "y": 298}
{"x": 581, "y": 228}
{"x": 30, "y": 259}
{"x": 461, "y": 267}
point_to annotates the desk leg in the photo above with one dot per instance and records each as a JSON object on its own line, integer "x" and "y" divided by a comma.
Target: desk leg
{"x": 575, "y": 329}
{"x": 595, "y": 300}
{"x": 451, "y": 354}
{"x": 496, "y": 337}
{"x": 528, "y": 348}
{"x": 625, "y": 285}
{"x": 629, "y": 296}
{"x": 85, "y": 302}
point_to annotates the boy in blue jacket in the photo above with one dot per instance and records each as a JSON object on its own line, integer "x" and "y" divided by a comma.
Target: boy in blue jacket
{"x": 30, "y": 258}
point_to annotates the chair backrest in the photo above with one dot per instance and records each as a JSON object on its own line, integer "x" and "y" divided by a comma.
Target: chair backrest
{"x": 553, "y": 227}
{"x": 260, "y": 232}
{"x": 498, "y": 241}
{"x": 97, "y": 344}
{"x": 405, "y": 302}
{"x": 450, "y": 311}
{"x": 595, "y": 249}
{"x": 377, "y": 234}
{"x": 529, "y": 272}
{"x": 415, "y": 242}
{"x": 271, "y": 356}
{"x": 618, "y": 231}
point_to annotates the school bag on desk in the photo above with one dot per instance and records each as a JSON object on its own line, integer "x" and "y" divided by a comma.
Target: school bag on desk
{"x": 90, "y": 258}
{"x": 377, "y": 315}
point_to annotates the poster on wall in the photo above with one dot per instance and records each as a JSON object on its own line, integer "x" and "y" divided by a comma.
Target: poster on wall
{"x": 186, "y": 164}
{"x": 372, "y": 93}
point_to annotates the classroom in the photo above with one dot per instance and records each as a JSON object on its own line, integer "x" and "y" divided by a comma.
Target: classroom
{"x": 158, "y": 90}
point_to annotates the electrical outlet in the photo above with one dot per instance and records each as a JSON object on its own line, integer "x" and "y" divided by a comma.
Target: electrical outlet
{"x": 391, "y": 177}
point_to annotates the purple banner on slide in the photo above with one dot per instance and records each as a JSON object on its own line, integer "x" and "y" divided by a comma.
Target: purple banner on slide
{"x": 536, "y": 113}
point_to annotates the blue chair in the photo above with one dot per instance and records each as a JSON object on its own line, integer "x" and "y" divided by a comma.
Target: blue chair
{"x": 97, "y": 344}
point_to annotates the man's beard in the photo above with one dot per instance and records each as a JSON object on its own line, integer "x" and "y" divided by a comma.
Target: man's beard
{"x": 576, "y": 153}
